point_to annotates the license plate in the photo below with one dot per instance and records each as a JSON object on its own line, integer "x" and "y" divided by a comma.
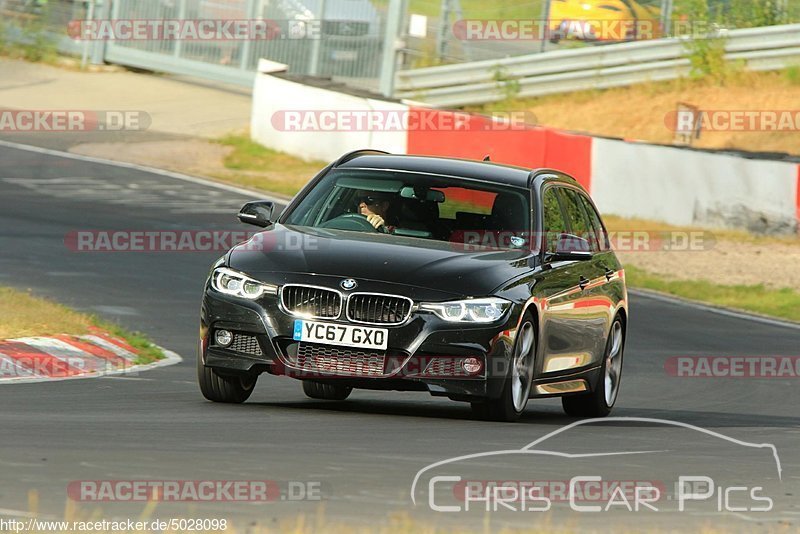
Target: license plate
{"x": 344, "y": 55}
{"x": 341, "y": 334}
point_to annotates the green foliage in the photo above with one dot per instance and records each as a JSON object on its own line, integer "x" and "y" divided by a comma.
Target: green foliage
{"x": 705, "y": 45}
{"x": 781, "y": 303}
{"x": 509, "y": 85}
{"x": 148, "y": 352}
{"x": 3, "y": 37}
{"x": 754, "y": 13}
{"x": 736, "y": 13}
{"x": 792, "y": 74}
{"x": 707, "y": 58}
{"x": 27, "y": 35}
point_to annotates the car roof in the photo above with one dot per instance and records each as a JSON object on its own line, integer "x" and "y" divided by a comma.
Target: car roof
{"x": 464, "y": 168}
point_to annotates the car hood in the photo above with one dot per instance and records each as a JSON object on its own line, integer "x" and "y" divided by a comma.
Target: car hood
{"x": 437, "y": 265}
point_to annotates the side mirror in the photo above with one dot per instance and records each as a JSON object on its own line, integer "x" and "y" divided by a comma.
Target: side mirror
{"x": 571, "y": 248}
{"x": 257, "y": 212}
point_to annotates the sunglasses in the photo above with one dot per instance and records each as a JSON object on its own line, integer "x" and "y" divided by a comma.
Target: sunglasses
{"x": 370, "y": 200}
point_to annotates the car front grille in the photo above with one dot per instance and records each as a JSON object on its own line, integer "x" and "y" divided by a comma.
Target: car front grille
{"x": 245, "y": 344}
{"x": 376, "y": 308}
{"x": 323, "y": 359}
{"x": 310, "y": 301}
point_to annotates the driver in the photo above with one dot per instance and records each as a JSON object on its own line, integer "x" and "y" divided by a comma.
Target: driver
{"x": 375, "y": 206}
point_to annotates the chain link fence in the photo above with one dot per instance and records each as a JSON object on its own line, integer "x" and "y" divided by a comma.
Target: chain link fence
{"x": 340, "y": 39}
{"x": 437, "y": 30}
{"x": 346, "y": 39}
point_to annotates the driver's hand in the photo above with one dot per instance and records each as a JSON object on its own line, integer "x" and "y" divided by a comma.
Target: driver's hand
{"x": 375, "y": 220}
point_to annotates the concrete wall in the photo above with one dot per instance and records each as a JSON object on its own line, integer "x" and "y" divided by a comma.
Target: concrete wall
{"x": 275, "y": 99}
{"x": 687, "y": 187}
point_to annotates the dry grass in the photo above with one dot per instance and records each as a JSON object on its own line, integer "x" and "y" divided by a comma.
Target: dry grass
{"x": 396, "y": 523}
{"x": 638, "y": 111}
{"x": 250, "y": 164}
{"x": 615, "y": 223}
{"x": 25, "y": 315}
{"x": 720, "y": 257}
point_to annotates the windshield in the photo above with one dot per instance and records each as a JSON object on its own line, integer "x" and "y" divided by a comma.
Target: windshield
{"x": 418, "y": 206}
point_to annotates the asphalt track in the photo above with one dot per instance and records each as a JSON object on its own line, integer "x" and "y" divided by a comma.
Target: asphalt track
{"x": 366, "y": 451}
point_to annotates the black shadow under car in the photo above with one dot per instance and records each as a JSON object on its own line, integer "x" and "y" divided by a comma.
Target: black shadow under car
{"x": 480, "y": 282}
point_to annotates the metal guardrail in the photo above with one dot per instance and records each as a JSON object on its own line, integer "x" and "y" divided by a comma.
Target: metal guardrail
{"x": 599, "y": 67}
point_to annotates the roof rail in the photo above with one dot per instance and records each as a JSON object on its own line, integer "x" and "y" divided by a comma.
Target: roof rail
{"x": 355, "y": 153}
{"x": 544, "y": 170}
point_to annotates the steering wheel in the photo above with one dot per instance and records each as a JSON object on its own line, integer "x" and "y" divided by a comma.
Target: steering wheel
{"x": 350, "y": 221}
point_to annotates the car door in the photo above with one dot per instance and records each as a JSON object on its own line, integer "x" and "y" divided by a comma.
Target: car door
{"x": 596, "y": 303}
{"x": 606, "y": 260}
{"x": 572, "y": 323}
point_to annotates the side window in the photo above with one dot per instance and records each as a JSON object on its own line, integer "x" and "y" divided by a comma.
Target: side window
{"x": 602, "y": 237}
{"x": 578, "y": 220}
{"x": 554, "y": 224}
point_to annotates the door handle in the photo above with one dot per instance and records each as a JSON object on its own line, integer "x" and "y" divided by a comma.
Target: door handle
{"x": 609, "y": 274}
{"x": 583, "y": 282}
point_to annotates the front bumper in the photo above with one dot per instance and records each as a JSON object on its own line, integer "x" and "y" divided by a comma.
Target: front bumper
{"x": 263, "y": 343}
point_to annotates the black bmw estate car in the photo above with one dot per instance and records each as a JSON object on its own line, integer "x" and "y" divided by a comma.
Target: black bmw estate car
{"x": 483, "y": 283}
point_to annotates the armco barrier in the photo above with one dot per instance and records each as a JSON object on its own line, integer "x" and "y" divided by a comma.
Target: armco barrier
{"x": 631, "y": 179}
{"x": 596, "y": 67}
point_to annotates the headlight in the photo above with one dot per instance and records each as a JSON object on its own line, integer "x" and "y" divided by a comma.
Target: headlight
{"x": 235, "y": 283}
{"x": 487, "y": 310}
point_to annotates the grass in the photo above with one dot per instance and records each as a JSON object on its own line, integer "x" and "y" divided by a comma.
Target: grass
{"x": 26, "y": 315}
{"x": 780, "y": 303}
{"x": 648, "y": 105}
{"x": 253, "y": 165}
{"x": 615, "y": 223}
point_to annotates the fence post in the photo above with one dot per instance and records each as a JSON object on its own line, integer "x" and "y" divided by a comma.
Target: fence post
{"x": 316, "y": 44}
{"x": 666, "y": 17}
{"x": 391, "y": 49}
{"x": 545, "y": 33}
{"x": 86, "y": 43}
{"x": 176, "y": 51}
{"x": 252, "y": 16}
{"x": 101, "y": 12}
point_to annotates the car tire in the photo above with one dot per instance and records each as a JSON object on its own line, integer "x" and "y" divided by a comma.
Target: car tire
{"x": 333, "y": 392}
{"x": 518, "y": 380}
{"x": 602, "y": 398}
{"x": 221, "y": 388}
